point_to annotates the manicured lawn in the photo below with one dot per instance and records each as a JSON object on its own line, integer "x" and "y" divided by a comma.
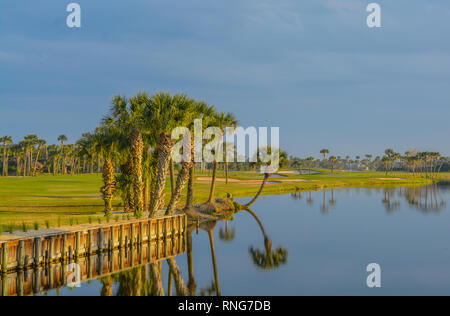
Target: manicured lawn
{"x": 61, "y": 198}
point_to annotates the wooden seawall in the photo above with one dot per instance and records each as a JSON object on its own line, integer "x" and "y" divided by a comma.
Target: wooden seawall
{"x": 93, "y": 267}
{"x": 64, "y": 246}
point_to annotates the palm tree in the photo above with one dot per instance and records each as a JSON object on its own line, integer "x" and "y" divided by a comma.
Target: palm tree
{"x": 324, "y": 152}
{"x": 333, "y": 160}
{"x": 127, "y": 119}
{"x": 220, "y": 120}
{"x": 62, "y": 139}
{"x": 186, "y": 166}
{"x": 310, "y": 162}
{"x": 163, "y": 114}
{"x": 104, "y": 139}
{"x": 41, "y": 143}
{"x": 207, "y": 114}
{"x": 5, "y": 140}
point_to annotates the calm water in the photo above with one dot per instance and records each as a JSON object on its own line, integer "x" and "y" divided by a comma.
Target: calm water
{"x": 321, "y": 243}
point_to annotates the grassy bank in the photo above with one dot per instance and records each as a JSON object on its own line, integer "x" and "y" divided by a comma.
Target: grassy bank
{"x": 65, "y": 199}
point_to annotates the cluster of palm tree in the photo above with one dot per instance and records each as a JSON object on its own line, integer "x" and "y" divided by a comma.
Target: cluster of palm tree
{"x": 427, "y": 164}
{"x": 136, "y": 138}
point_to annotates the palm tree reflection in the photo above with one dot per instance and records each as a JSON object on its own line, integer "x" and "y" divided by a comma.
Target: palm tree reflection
{"x": 267, "y": 259}
{"x": 227, "y": 235}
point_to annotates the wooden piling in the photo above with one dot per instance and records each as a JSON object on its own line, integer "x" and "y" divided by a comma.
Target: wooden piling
{"x": 37, "y": 254}
{"x": 122, "y": 236}
{"x": 5, "y": 258}
{"x": 78, "y": 244}
{"x": 21, "y": 261}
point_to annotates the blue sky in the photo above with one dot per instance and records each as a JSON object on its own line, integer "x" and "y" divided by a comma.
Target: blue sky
{"x": 311, "y": 67}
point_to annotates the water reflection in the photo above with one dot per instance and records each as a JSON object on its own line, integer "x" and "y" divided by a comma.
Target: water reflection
{"x": 314, "y": 242}
{"x": 426, "y": 199}
{"x": 267, "y": 259}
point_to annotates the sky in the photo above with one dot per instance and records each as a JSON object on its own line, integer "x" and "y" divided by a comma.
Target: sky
{"x": 311, "y": 67}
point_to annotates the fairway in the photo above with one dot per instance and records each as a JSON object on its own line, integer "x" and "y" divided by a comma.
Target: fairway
{"x": 59, "y": 199}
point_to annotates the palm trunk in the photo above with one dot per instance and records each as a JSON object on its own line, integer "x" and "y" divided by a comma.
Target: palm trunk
{"x": 191, "y": 284}
{"x": 266, "y": 176}
{"x": 226, "y": 172}
{"x": 190, "y": 191}
{"x": 165, "y": 145}
{"x": 158, "y": 288}
{"x": 213, "y": 183}
{"x": 137, "y": 149}
{"x": 179, "y": 282}
{"x": 183, "y": 177}
{"x": 36, "y": 161}
{"x": 214, "y": 261}
{"x": 4, "y": 159}
{"x": 172, "y": 177}
{"x": 109, "y": 186}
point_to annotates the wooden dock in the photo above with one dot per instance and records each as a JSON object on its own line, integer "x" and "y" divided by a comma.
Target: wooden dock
{"x": 64, "y": 246}
{"x": 93, "y": 267}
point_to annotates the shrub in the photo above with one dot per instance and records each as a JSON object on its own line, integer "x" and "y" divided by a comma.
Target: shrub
{"x": 24, "y": 227}
{"x": 36, "y": 226}
{"x": 47, "y": 224}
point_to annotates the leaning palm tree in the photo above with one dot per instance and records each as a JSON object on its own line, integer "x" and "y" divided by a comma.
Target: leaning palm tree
{"x": 164, "y": 113}
{"x": 41, "y": 144}
{"x": 269, "y": 151}
{"x": 180, "y": 286}
{"x": 5, "y": 140}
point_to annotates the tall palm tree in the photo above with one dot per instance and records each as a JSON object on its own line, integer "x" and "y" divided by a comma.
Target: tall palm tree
{"x": 324, "y": 152}
{"x": 105, "y": 145}
{"x": 164, "y": 113}
{"x": 207, "y": 114}
{"x": 5, "y": 140}
{"x": 186, "y": 166}
{"x": 127, "y": 118}
{"x": 62, "y": 139}
{"x": 222, "y": 121}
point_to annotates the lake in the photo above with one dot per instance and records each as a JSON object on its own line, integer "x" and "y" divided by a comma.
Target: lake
{"x": 312, "y": 243}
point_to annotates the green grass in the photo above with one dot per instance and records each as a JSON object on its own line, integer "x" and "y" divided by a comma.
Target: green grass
{"x": 62, "y": 200}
